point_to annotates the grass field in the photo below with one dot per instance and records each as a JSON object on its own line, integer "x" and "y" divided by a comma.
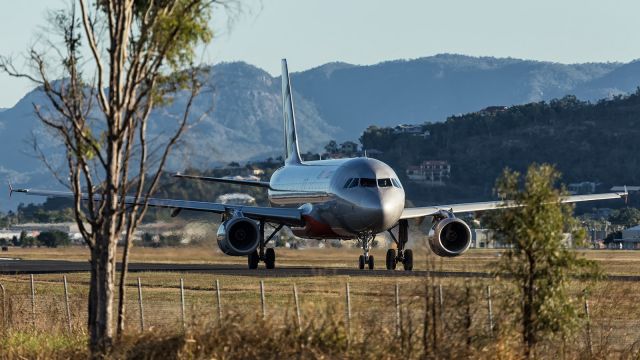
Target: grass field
{"x": 614, "y": 306}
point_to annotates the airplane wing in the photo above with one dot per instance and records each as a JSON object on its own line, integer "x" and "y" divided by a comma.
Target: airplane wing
{"x": 287, "y": 216}
{"x": 417, "y": 212}
{"x": 264, "y": 184}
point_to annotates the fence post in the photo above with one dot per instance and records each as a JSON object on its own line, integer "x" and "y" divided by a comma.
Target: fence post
{"x": 295, "y": 299}
{"x": 348, "y": 298}
{"x": 490, "y": 310}
{"x": 4, "y": 307}
{"x": 140, "y": 305}
{"x": 219, "y": 304}
{"x": 66, "y": 302}
{"x": 264, "y": 309}
{"x": 441, "y": 299}
{"x": 397, "y": 309}
{"x": 33, "y": 303}
{"x": 182, "y": 303}
{"x": 588, "y": 324}
{"x": 434, "y": 318}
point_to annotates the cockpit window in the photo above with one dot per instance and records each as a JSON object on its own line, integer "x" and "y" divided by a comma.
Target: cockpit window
{"x": 384, "y": 182}
{"x": 364, "y": 182}
{"x": 396, "y": 183}
{"x": 348, "y": 183}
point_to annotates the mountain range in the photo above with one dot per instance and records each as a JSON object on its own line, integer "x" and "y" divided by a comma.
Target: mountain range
{"x": 238, "y": 117}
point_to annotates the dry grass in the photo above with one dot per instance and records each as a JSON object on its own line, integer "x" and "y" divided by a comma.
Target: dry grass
{"x": 615, "y": 310}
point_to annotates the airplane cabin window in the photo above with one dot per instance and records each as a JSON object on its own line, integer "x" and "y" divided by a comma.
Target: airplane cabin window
{"x": 364, "y": 182}
{"x": 384, "y": 182}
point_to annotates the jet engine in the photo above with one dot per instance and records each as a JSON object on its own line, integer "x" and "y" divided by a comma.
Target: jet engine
{"x": 449, "y": 237}
{"x": 238, "y": 236}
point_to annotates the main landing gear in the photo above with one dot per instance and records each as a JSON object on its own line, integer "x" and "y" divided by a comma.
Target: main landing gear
{"x": 401, "y": 256}
{"x": 366, "y": 259}
{"x": 268, "y": 255}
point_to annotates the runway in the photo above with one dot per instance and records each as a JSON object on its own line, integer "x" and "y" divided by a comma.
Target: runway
{"x": 17, "y": 266}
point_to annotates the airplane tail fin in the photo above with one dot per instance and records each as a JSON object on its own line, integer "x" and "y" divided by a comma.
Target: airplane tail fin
{"x": 291, "y": 151}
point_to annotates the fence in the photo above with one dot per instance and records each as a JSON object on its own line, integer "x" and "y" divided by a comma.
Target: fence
{"x": 434, "y": 309}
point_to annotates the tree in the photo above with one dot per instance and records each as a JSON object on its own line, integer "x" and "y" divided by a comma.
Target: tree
{"x": 140, "y": 56}
{"x": 626, "y": 217}
{"x": 53, "y": 239}
{"x": 331, "y": 147}
{"x": 538, "y": 264}
{"x": 29, "y": 241}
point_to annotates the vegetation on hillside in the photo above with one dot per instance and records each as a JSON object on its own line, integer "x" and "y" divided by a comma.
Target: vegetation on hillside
{"x": 585, "y": 141}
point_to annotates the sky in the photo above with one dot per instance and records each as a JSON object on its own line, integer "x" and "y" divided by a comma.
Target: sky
{"x": 310, "y": 33}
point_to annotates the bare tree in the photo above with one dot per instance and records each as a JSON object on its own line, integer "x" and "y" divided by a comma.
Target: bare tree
{"x": 140, "y": 54}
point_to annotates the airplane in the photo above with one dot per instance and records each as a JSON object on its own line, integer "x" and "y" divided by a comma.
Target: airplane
{"x": 355, "y": 198}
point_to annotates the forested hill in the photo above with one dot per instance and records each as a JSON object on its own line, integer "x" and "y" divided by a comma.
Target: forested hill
{"x": 597, "y": 142}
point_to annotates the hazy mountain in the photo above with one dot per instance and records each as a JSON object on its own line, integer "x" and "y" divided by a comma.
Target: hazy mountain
{"x": 623, "y": 79}
{"x": 432, "y": 88}
{"x": 242, "y": 105}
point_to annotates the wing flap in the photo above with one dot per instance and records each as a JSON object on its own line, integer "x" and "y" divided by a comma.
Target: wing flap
{"x": 288, "y": 216}
{"x": 410, "y": 213}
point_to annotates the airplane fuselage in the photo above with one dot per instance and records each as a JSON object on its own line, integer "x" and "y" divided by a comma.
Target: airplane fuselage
{"x": 341, "y": 198}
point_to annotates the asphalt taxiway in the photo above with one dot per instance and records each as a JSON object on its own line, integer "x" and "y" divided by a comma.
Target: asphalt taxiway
{"x": 16, "y": 266}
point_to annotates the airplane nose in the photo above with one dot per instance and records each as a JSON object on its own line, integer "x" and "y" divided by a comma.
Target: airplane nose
{"x": 392, "y": 205}
{"x": 379, "y": 210}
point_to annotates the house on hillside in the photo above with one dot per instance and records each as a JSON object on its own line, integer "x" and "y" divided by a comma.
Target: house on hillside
{"x": 416, "y": 130}
{"x": 348, "y": 147}
{"x": 492, "y": 110}
{"x": 430, "y": 172}
{"x": 236, "y": 199}
{"x": 582, "y": 188}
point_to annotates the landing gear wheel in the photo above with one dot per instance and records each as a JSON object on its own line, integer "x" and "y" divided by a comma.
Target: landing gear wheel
{"x": 361, "y": 262}
{"x": 408, "y": 260}
{"x": 370, "y": 262}
{"x": 270, "y": 258}
{"x": 253, "y": 260}
{"x": 391, "y": 259}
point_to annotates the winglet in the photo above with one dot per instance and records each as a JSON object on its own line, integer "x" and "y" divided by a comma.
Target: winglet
{"x": 625, "y": 195}
{"x": 12, "y": 189}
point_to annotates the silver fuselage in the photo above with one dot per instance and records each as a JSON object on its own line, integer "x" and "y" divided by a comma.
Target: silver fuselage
{"x": 332, "y": 208}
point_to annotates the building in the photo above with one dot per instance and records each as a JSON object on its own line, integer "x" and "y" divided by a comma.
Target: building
{"x": 631, "y": 233}
{"x": 492, "y": 110}
{"x": 582, "y": 188}
{"x": 348, "y": 147}
{"x": 430, "y": 172}
{"x": 236, "y": 199}
{"x": 627, "y": 188}
{"x": 483, "y": 239}
{"x": 416, "y": 130}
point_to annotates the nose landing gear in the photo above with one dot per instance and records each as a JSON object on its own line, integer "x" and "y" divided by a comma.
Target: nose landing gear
{"x": 366, "y": 259}
{"x": 402, "y": 256}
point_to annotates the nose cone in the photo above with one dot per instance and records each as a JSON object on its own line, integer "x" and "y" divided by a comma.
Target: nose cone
{"x": 380, "y": 210}
{"x": 392, "y": 204}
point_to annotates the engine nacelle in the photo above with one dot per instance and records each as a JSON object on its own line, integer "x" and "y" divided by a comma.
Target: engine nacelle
{"x": 450, "y": 237}
{"x": 238, "y": 236}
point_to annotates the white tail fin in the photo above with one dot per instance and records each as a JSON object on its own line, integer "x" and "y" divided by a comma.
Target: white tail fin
{"x": 291, "y": 151}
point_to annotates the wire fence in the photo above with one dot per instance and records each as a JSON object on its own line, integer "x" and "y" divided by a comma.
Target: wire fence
{"x": 474, "y": 311}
